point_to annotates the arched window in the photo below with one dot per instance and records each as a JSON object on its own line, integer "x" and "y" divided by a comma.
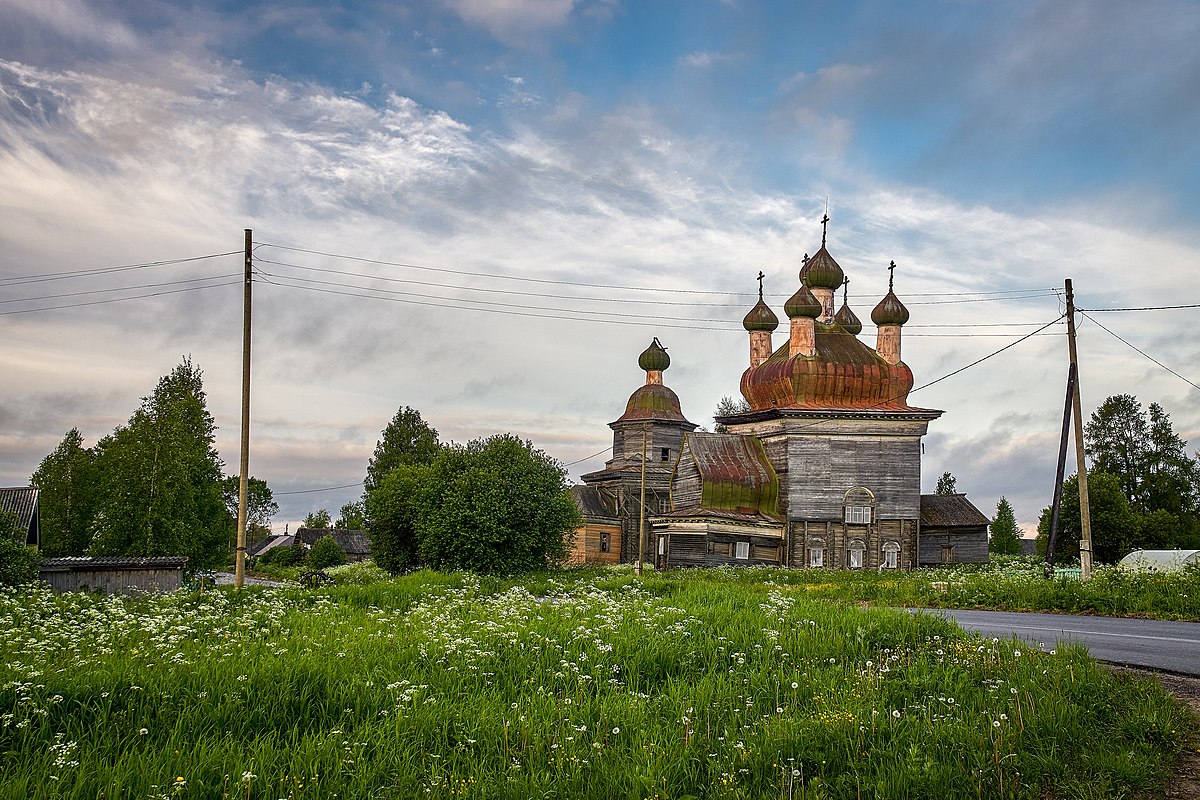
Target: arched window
{"x": 816, "y": 552}
{"x": 859, "y": 506}
{"x": 891, "y": 555}
{"x": 854, "y": 554}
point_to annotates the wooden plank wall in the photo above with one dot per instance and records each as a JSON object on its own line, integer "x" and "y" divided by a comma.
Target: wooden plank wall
{"x": 115, "y": 581}
{"x": 970, "y": 545}
{"x": 822, "y": 470}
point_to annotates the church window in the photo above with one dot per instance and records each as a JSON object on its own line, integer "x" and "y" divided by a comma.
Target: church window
{"x": 816, "y": 553}
{"x": 743, "y": 550}
{"x": 666, "y": 454}
{"x": 603, "y": 541}
{"x": 859, "y": 505}
{"x": 858, "y": 515}
{"x": 891, "y": 555}
{"x": 662, "y": 543}
{"x": 855, "y": 554}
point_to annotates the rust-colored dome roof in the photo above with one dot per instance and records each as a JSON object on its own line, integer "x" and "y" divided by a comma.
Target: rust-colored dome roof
{"x": 843, "y": 374}
{"x": 890, "y": 311}
{"x": 653, "y": 402}
{"x": 821, "y": 271}
{"x": 760, "y": 318}
{"x": 849, "y": 322}
{"x": 802, "y": 304}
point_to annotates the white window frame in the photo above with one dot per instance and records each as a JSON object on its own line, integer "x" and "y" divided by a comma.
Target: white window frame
{"x": 858, "y": 515}
{"x": 891, "y": 555}
{"x": 816, "y": 556}
{"x": 742, "y": 550}
{"x": 855, "y": 558}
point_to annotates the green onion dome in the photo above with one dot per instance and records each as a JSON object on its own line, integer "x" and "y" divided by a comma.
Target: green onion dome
{"x": 803, "y": 304}
{"x": 849, "y": 322}
{"x": 821, "y": 271}
{"x": 654, "y": 358}
{"x": 890, "y": 311}
{"x": 760, "y": 318}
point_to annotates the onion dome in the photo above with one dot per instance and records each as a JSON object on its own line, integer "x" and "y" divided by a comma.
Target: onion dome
{"x": 821, "y": 271}
{"x": 760, "y": 318}
{"x": 849, "y": 322}
{"x": 655, "y": 359}
{"x": 803, "y": 304}
{"x": 890, "y": 310}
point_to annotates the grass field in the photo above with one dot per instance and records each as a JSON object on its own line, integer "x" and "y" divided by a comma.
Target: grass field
{"x": 591, "y": 684}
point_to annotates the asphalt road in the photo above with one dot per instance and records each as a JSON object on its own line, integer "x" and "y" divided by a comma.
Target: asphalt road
{"x": 1151, "y": 643}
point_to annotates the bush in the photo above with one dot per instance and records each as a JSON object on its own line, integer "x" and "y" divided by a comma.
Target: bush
{"x": 325, "y": 553}
{"x": 18, "y": 563}
{"x": 283, "y": 556}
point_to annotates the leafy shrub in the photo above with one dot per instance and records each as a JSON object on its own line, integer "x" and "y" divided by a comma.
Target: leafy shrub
{"x": 18, "y": 563}
{"x": 283, "y": 556}
{"x": 325, "y": 553}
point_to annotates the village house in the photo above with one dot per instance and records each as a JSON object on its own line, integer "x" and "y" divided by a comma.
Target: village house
{"x": 822, "y": 470}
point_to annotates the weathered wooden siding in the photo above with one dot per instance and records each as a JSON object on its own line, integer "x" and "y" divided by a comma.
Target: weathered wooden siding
{"x": 836, "y": 537}
{"x": 122, "y": 581}
{"x": 586, "y": 547}
{"x": 888, "y": 466}
{"x": 970, "y": 545}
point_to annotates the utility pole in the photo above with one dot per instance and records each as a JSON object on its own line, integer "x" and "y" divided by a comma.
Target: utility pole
{"x": 239, "y": 561}
{"x": 1085, "y": 516}
{"x": 642, "y": 510}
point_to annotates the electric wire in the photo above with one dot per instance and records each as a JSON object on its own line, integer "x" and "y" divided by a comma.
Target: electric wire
{"x": 1137, "y": 308}
{"x": 118, "y": 299}
{"x": 119, "y": 289}
{"x": 1141, "y": 352}
{"x": 322, "y": 489}
{"x": 81, "y": 273}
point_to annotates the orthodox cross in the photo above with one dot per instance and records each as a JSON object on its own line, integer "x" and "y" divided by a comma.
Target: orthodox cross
{"x": 845, "y": 291}
{"x": 824, "y": 228}
{"x": 891, "y": 274}
{"x": 760, "y": 280}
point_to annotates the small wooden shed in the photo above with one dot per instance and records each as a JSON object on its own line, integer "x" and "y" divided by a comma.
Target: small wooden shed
{"x": 953, "y": 531}
{"x": 114, "y": 574}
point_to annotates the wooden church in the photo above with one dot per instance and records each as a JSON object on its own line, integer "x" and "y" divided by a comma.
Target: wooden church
{"x": 823, "y": 469}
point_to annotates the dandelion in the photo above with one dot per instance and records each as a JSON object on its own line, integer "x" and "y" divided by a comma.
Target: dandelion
{"x": 896, "y": 713}
{"x": 143, "y": 731}
{"x": 616, "y": 731}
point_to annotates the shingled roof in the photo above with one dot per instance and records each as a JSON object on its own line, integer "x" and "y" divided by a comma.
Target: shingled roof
{"x": 950, "y": 511}
{"x": 593, "y": 503}
{"x": 353, "y": 543}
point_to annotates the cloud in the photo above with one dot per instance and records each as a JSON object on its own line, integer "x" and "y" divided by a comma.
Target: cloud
{"x": 703, "y": 59}
{"x": 514, "y": 21}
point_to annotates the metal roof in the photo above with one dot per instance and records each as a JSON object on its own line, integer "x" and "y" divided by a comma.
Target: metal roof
{"x": 351, "y": 542}
{"x": 23, "y": 501}
{"x": 79, "y": 563}
{"x": 593, "y": 503}
{"x": 735, "y": 475}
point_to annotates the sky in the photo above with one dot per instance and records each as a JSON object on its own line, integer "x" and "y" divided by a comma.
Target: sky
{"x": 486, "y": 209}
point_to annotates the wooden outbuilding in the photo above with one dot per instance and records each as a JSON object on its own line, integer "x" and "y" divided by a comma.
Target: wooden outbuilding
{"x": 23, "y": 502}
{"x": 114, "y": 574}
{"x": 953, "y": 531}
{"x": 355, "y": 544}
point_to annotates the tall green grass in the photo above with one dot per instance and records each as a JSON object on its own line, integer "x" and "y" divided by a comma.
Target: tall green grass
{"x": 576, "y": 685}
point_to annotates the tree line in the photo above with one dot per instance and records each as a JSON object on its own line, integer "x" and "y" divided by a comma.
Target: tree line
{"x": 1143, "y": 487}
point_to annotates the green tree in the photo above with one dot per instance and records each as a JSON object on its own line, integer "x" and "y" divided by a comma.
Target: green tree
{"x": 407, "y": 439}
{"x": 319, "y": 519}
{"x": 261, "y": 504}
{"x": 67, "y": 498}
{"x": 1005, "y": 538}
{"x": 352, "y": 517}
{"x": 18, "y": 563}
{"x": 727, "y": 406}
{"x": 1115, "y": 526}
{"x": 497, "y": 505}
{"x": 947, "y": 484}
{"x": 159, "y": 478}
{"x": 1117, "y": 440}
{"x": 325, "y": 553}
{"x": 392, "y": 510}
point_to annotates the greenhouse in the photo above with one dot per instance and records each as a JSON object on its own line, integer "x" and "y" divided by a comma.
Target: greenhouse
{"x": 1160, "y": 560}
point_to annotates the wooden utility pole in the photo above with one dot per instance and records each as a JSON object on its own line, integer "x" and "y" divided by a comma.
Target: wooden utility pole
{"x": 1085, "y": 516}
{"x": 642, "y": 510}
{"x": 1056, "y": 505}
{"x": 239, "y": 562}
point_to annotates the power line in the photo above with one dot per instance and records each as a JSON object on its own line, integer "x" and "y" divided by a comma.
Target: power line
{"x": 1138, "y": 308}
{"x": 79, "y": 273}
{"x": 989, "y": 355}
{"x": 322, "y": 489}
{"x": 1035, "y": 292}
{"x": 117, "y": 289}
{"x": 118, "y": 299}
{"x": 585, "y": 458}
{"x": 1141, "y": 352}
